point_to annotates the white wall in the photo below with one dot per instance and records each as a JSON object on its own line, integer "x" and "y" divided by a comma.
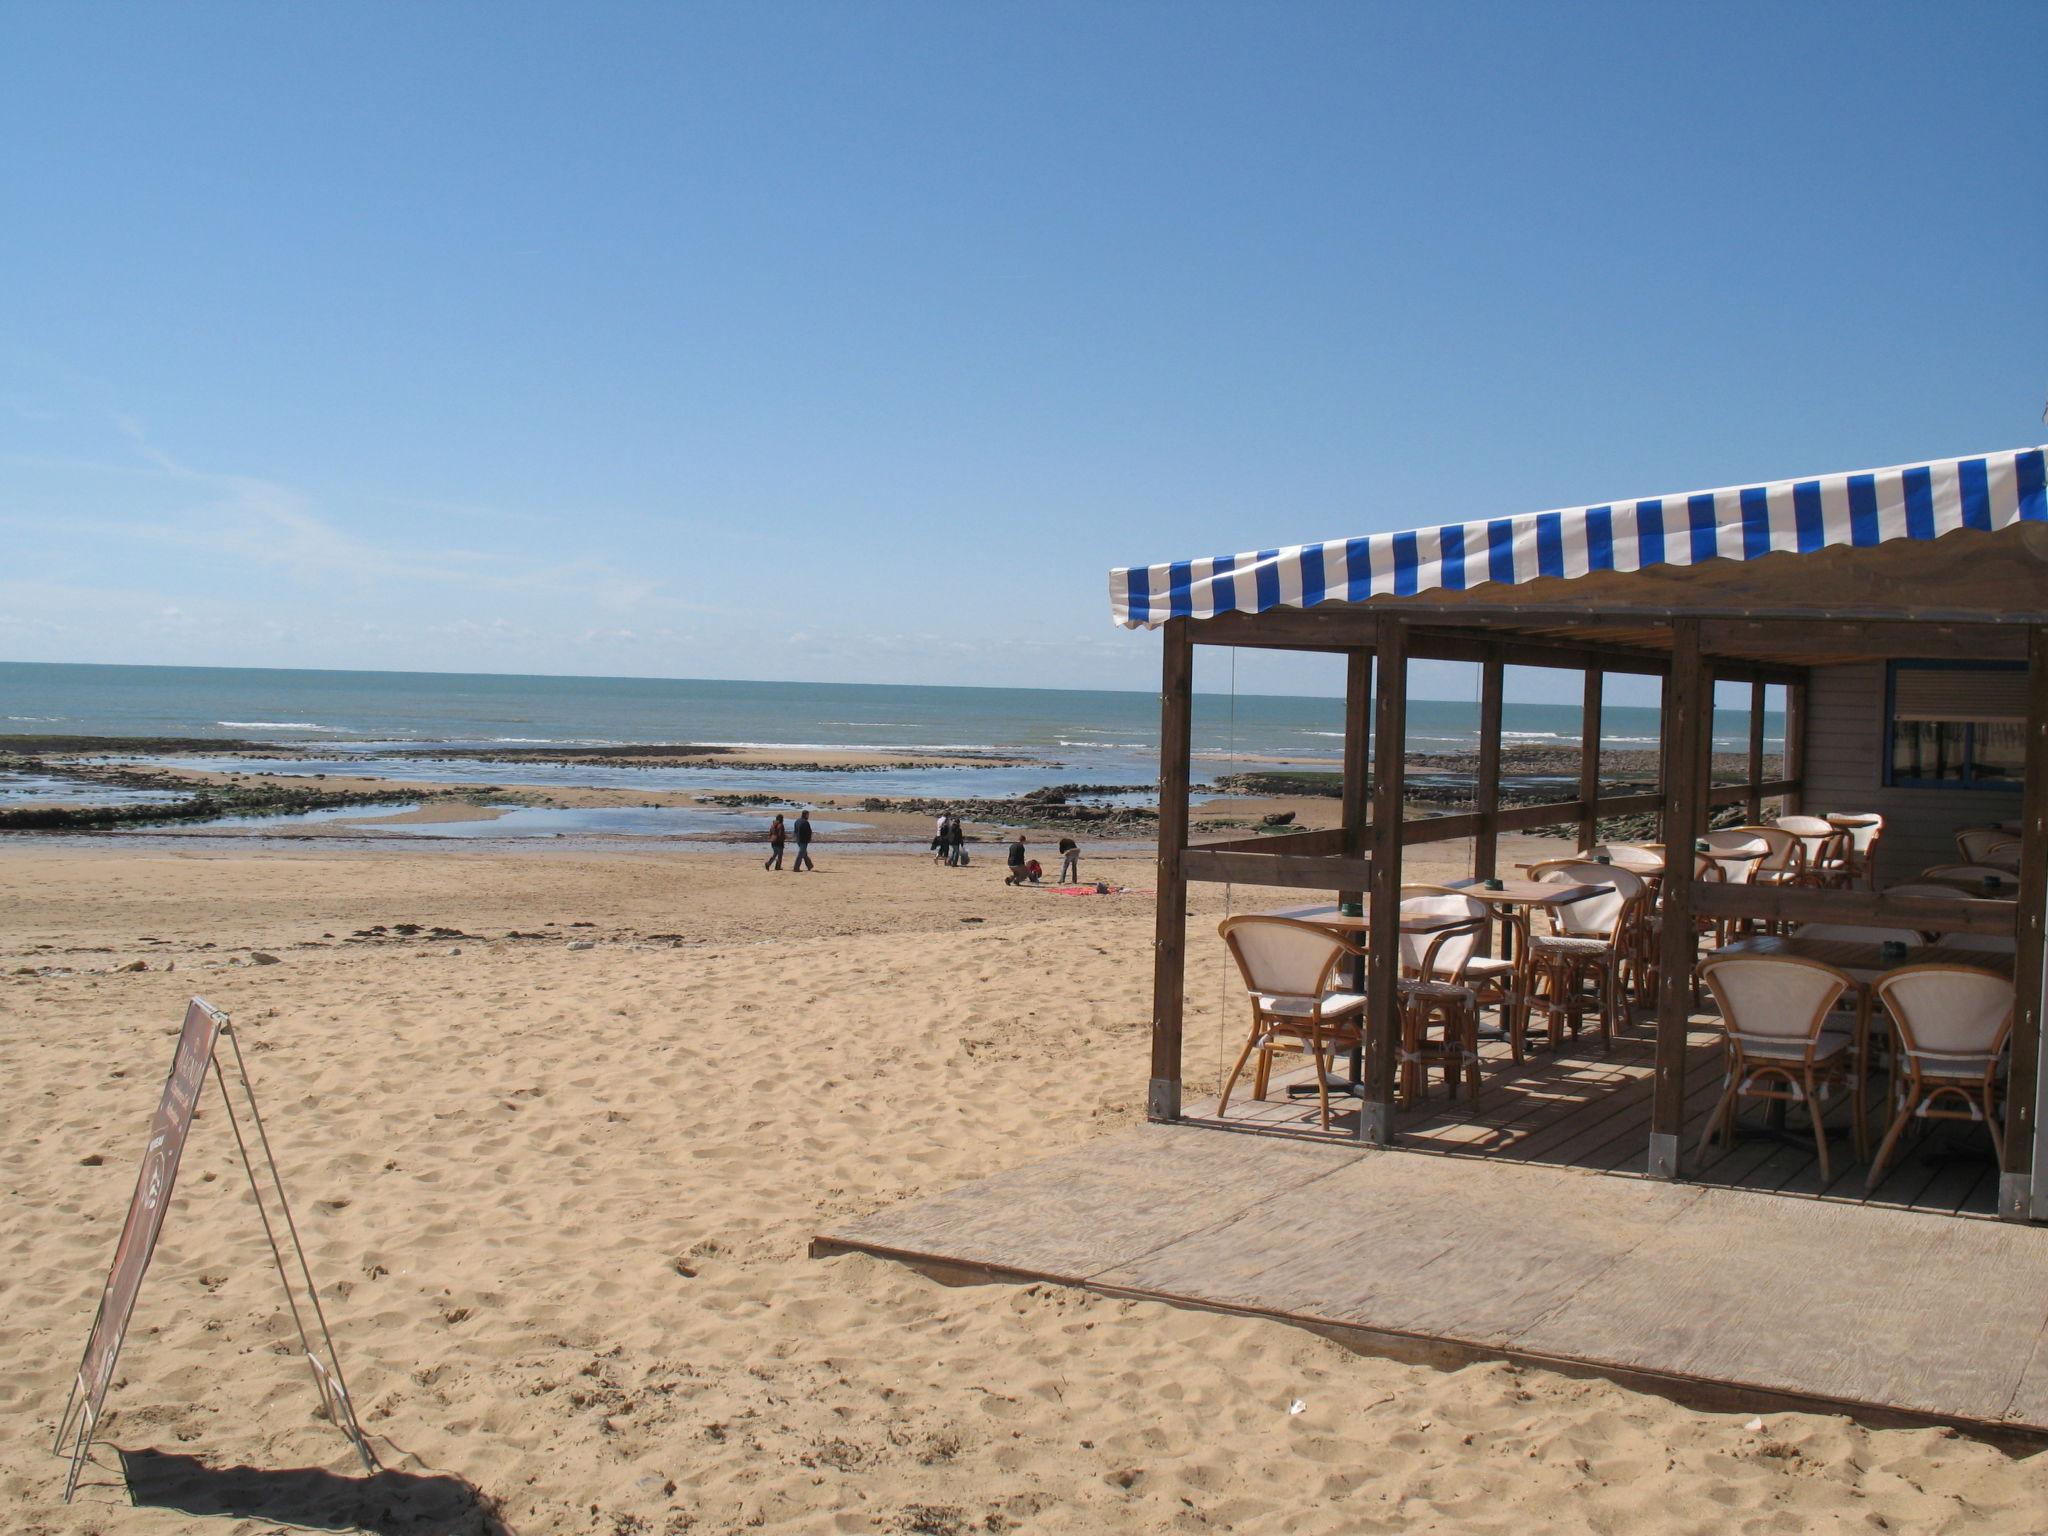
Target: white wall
{"x": 1845, "y": 748}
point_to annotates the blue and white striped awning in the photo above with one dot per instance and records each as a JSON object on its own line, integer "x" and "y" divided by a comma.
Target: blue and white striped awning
{"x": 1872, "y": 506}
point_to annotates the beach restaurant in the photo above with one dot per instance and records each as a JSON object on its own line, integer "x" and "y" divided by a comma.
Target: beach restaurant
{"x": 1806, "y": 979}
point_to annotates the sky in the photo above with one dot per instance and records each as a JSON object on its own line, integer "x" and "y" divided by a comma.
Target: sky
{"x": 859, "y": 342}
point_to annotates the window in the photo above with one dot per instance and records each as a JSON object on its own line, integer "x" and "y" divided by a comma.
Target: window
{"x": 1961, "y": 725}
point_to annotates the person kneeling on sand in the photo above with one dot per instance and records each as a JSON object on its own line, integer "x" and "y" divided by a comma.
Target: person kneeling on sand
{"x": 1016, "y": 875}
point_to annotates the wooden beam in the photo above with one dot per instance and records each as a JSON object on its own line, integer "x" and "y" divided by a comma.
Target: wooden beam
{"x": 1899, "y": 637}
{"x": 1737, "y": 794}
{"x": 1523, "y": 818}
{"x": 1345, "y": 627}
{"x": 1688, "y": 704}
{"x": 1383, "y": 968}
{"x": 1795, "y": 746}
{"x": 1753, "y": 800}
{"x": 1357, "y": 758}
{"x": 1589, "y": 757}
{"x": 1170, "y": 920}
{"x": 1450, "y": 644}
{"x": 1486, "y": 844}
{"x": 1330, "y": 840}
{"x": 1332, "y": 873}
{"x": 2016, "y": 1184}
{"x": 1866, "y": 909}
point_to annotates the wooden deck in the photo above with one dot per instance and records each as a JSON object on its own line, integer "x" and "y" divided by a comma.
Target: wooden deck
{"x": 1582, "y": 1109}
{"x": 1894, "y": 1315}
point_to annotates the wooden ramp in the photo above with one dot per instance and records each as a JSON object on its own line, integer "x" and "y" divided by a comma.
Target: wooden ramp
{"x": 1713, "y": 1295}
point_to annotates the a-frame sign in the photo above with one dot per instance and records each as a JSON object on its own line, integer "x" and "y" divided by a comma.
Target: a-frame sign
{"x": 198, "y": 1049}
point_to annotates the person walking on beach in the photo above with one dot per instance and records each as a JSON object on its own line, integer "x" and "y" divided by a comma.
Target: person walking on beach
{"x": 942, "y": 848}
{"x": 803, "y": 842}
{"x": 777, "y": 836}
{"x": 956, "y": 842}
{"x": 1070, "y": 862}
{"x": 1017, "y": 860}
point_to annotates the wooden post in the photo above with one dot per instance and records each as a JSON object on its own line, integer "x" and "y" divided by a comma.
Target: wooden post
{"x": 1169, "y": 943}
{"x": 2016, "y": 1183}
{"x": 1589, "y": 760}
{"x": 1753, "y": 806}
{"x": 1357, "y": 756}
{"x": 1383, "y": 968}
{"x": 1486, "y": 846}
{"x": 1795, "y": 746}
{"x": 1688, "y": 705}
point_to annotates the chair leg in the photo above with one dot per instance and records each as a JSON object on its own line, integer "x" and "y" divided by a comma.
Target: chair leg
{"x": 1997, "y": 1130}
{"x": 1859, "y": 1109}
{"x": 1230, "y": 1082}
{"x": 1818, "y": 1116}
{"x": 1315, "y": 1048}
{"x": 1720, "y": 1118}
{"x": 1902, "y": 1113}
{"x": 1262, "y": 1077}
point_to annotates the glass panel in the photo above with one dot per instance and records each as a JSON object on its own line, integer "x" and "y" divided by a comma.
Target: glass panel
{"x": 1999, "y": 752}
{"x": 1928, "y": 750}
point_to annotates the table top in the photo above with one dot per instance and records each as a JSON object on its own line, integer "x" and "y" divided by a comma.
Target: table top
{"x": 1643, "y": 865}
{"x": 1637, "y": 861}
{"x": 1527, "y": 893}
{"x": 2008, "y": 889}
{"x": 1865, "y": 962}
{"x": 1343, "y": 922}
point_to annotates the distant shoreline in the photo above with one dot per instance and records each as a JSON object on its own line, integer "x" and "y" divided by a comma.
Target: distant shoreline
{"x": 1277, "y": 798}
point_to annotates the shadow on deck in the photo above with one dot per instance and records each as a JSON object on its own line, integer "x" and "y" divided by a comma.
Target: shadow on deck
{"x": 1580, "y": 1108}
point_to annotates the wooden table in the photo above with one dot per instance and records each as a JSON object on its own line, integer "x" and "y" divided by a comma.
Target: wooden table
{"x": 1339, "y": 921}
{"x": 1512, "y": 904}
{"x": 1343, "y": 924}
{"x": 1865, "y": 964}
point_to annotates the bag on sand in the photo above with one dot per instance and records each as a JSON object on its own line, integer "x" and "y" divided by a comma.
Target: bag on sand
{"x": 963, "y": 855}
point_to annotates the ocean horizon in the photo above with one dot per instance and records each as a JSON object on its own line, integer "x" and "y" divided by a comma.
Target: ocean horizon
{"x": 311, "y": 708}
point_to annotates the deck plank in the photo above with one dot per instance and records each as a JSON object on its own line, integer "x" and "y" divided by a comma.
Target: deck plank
{"x": 1858, "y": 1304}
{"x": 1101, "y": 1204}
{"x": 1410, "y": 1245}
{"x": 1687, "y": 1288}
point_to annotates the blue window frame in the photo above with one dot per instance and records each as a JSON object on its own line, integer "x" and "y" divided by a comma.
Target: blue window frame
{"x": 1947, "y": 728}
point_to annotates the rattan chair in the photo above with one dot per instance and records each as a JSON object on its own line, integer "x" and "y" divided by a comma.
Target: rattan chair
{"x": 1865, "y": 829}
{"x": 1287, "y": 967}
{"x": 1827, "y": 851}
{"x": 1973, "y": 843}
{"x": 1784, "y": 861}
{"x": 1951, "y": 1024}
{"x": 1592, "y": 943}
{"x": 1776, "y": 1018}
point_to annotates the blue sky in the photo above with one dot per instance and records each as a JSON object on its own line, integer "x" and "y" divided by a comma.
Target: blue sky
{"x": 858, "y": 342}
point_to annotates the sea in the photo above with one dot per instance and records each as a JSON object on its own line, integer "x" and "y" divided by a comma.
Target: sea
{"x": 400, "y": 725}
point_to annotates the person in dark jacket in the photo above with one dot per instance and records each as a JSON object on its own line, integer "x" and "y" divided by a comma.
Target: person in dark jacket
{"x": 1016, "y": 875}
{"x": 777, "y": 836}
{"x": 1070, "y": 861}
{"x": 803, "y": 842}
{"x": 956, "y": 842}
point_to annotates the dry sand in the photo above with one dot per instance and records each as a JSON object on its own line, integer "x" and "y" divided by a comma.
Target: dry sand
{"x": 558, "y": 1202}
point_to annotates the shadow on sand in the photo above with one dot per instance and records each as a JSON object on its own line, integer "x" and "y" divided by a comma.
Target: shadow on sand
{"x": 388, "y": 1504}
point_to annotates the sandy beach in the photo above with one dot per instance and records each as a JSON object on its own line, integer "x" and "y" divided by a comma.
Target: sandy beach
{"x": 558, "y": 1200}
